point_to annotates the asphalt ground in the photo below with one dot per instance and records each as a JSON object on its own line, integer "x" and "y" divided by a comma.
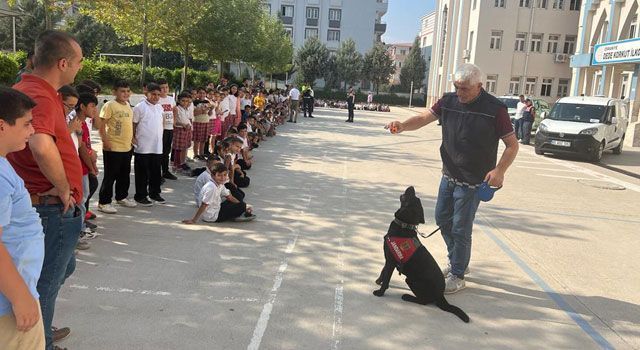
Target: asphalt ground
{"x": 554, "y": 261}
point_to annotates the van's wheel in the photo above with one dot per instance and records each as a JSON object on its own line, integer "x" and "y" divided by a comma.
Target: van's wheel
{"x": 618, "y": 148}
{"x": 596, "y": 156}
{"x": 539, "y": 151}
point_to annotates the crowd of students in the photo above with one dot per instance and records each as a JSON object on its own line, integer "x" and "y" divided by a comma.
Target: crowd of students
{"x": 49, "y": 169}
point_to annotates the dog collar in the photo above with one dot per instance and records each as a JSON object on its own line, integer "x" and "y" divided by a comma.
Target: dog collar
{"x": 405, "y": 225}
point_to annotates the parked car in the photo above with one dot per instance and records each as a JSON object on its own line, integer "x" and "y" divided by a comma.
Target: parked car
{"x": 541, "y": 106}
{"x": 586, "y": 126}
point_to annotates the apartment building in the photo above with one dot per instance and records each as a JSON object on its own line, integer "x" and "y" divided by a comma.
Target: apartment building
{"x": 607, "y": 55}
{"x": 398, "y": 53}
{"x": 332, "y": 21}
{"x": 427, "y": 27}
{"x": 523, "y": 46}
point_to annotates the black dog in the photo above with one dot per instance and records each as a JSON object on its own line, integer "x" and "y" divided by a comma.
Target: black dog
{"x": 403, "y": 250}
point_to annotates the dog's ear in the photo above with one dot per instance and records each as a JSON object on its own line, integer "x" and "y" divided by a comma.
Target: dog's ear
{"x": 410, "y": 191}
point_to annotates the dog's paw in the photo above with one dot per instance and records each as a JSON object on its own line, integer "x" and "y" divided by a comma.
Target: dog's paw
{"x": 378, "y": 292}
{"x": 379, "y": 281}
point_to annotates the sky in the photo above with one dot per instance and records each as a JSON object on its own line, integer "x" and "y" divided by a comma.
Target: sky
{"x": 403, "y": 19}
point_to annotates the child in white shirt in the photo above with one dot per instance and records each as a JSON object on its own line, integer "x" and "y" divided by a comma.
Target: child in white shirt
{"x": 213, "y": 208}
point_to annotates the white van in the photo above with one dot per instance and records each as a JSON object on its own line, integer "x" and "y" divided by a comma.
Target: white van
{"x": 584, "y": 125}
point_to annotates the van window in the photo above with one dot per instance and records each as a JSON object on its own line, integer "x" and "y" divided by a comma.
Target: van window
{"x": 578, "y": 112}
{"x": 510, "y": 102}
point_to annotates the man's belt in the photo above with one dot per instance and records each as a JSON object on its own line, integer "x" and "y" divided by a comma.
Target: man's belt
{"x": 45, "y": 200}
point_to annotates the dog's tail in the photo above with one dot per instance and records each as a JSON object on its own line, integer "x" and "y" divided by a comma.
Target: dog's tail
{"x": 444, "y": 305}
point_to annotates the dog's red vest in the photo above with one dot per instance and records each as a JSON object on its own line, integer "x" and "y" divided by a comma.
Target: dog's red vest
{"x": 402, "y": 248}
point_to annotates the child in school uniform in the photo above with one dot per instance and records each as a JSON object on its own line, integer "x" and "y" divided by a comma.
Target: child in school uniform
{"x": 217, "y": 203}
{"x": 182, "y": 132}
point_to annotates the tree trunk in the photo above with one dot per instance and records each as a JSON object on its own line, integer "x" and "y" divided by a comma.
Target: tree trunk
{"x": 144, "y": 47}
{"x": 185, "y": 69}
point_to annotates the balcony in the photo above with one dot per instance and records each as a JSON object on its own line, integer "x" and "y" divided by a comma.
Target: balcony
{"x": 380, "y": 28}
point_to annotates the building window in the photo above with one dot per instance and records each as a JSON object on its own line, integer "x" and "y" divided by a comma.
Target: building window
{"x": 514, "y": 86}
{"x": 536, "y": 43}
{"x": 574, "y": 5}
{"x": 335, "y": 14}
{"x": 310, "y": 33}
{"x": 424, "y": 41}
{"x": 545, "y": 89}
{"x": 541, "y": 4}
{"x": 530, "y": 86}
{"x": 525, "y": 3}
{"x": 403, "y": 52}
{"x": 563, "y": 87}
{"x": 399, "y": 64}
{"x": 289, "y": 30}
{"x": 499, "y": 3}
{"x": 552, "y": 43}
{"x": 333, "y": 35}
{"x": 633, "y": 27}
{"x": 558, "y": 4}
{"x": 267, "y": 7}
{"x": 287, "y": 11}
{"x": 492, "y": 81}
{"x": 495, "y": 43}
{"x": 521, "y": 38}
{"x": 569, "y": 44}
{"x": 313, "y": 12}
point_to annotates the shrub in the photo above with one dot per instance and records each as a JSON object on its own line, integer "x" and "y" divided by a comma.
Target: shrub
{"x": 9, "y": 68}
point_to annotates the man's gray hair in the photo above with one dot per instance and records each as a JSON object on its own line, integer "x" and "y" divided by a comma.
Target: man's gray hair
{"x": 468, "y": 73}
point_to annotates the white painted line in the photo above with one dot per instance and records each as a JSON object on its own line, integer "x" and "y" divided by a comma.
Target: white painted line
{"x": 531, "y": 162}
{"x": 337, "y": 318}
{"x": 122, "y": 290}
{"x": 156, "y": 256}
{"x": 589, "y": 172}
{"x": 263, "y": 321}
{"x": 547, "y": 169}
{"x": 567, "y": 177}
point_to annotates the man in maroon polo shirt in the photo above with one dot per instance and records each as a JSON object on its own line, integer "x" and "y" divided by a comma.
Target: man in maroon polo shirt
{"x": 473, "y": 123}
{"x": 50, "y": 166}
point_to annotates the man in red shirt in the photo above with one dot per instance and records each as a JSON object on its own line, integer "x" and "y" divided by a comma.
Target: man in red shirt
{"x": 50, "y": 166}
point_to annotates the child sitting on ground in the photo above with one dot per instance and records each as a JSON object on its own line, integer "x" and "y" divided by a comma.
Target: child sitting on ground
{"x": 204, "y": 178}
{"x": 213, "y": 208}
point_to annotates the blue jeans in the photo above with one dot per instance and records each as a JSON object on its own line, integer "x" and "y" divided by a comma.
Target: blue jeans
{"x": 526, "y": 131}
{"x": 61, "y": 232}
{"x": 455, "y": 211}
{"x": 518, "y": 128}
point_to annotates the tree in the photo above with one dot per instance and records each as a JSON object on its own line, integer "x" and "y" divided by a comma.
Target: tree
{"x": 414, "y": 68}
{"x": 331, "y": 75}
{"x": 94, "y": 37}
{"x": 378, "y": 66}
{"x": 27, "y": 27}
{"x": 349, "y": 63}
{"x": 272, "y": 51}
{"x": 311, "y": 60}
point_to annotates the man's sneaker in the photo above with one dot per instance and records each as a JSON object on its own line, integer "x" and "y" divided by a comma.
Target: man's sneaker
{"x": 447, "y": 270}
{"x": 127, "y": 203}
{"x": 157, "y": 199}
{"x": 145, "y": 202}
{"x": 90, "y": 225}
{"x": 107, "y": 208}
{"x": 89, "y": 215}
{"x": 169, "y": 176}
{"x": 60, "y": 333}
{"x": 453, "y": 284}
{"x": 82, "y": 245}
{"x": 87, "y": 235}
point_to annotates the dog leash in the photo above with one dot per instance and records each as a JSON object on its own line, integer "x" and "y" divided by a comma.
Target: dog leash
{"x": 429, "y": 235}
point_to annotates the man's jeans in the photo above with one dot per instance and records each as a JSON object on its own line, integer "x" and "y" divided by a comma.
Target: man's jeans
{"x": 455, "y": 211}
{"x": 61, "y": 232}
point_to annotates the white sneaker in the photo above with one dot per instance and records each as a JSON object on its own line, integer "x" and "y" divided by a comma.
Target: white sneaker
{"x": 447, "y": 270}
{"x": 107, "y": 208}
{"x": 127, "y": 203}
{"x": 453, "y": 284}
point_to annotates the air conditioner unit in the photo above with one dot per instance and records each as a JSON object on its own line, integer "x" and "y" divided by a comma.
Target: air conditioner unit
{"x": 560, "y": 57}
{"x": 466, "y": 54}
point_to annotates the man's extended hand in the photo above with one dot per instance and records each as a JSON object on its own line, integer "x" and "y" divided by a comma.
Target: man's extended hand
{"x": 495, "y": 178}
{"x": 395, "y": 127}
